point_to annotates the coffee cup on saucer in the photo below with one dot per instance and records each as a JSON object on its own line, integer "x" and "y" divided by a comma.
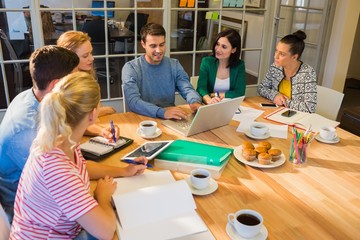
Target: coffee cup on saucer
{"x": 200, "y": 178}
{"x": 148, "y": 128}
{"x": 258, "y": 129}
{"x": 246, "y": 222}
{"x": 328, "y": 133}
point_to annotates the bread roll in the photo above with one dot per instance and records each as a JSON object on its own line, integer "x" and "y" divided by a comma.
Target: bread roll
{"x": 275, "y": 153}
{"x": 264, "y": 144}
{"x": 260, "y": 150}
{"x": 249, "y": 154}
{"x": 247, "y": 145}
{"x": 264, "y": 158}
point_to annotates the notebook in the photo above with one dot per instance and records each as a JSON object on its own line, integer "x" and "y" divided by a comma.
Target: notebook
{"x": 301, "y": 119}
{"x": 194, "y": 152}
{"x": 98, "y": 147}
{"x": 169, "y": 211}
{"x": 206, "y": 118}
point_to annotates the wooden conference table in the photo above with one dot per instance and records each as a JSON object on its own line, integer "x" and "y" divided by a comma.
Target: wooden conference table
{"x": 320, "y": 200}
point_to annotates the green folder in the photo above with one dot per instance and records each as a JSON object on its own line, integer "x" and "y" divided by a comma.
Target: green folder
{"x": 193, "y": 152}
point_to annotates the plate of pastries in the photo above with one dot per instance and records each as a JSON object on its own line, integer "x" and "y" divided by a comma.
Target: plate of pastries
{"x": 261, "y": 155}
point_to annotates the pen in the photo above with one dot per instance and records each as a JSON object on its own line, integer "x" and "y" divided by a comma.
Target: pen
{"x": 130, "y": 161}
{"x": 113, "y": 130}
{"x": 217, "y": 94}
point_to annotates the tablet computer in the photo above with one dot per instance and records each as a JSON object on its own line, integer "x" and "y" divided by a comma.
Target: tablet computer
{"x": 148, "y": 149}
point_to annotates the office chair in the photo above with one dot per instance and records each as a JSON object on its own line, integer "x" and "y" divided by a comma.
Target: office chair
{"x": 142, "y": 19}
{"x": 328, "y": 102}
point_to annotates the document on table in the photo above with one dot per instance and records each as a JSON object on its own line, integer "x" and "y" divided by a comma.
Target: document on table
{"x": 247, "y": 114}
{"x": 278, "y": 131}
{"x": 155, "y": 206}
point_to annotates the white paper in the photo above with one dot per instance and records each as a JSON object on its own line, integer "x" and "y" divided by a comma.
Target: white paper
{"x": 147, "y": 179}
{"x": 155, "y": 206}
{"x": 247, "y": 114}
{"x": 277, "y": 131}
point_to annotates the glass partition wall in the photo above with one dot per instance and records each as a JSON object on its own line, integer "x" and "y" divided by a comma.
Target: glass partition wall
{"x": 114, "y": 27}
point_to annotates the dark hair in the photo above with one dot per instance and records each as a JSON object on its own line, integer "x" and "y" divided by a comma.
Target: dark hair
{"x": 235, "y": 41}
{"x": 152, "y": 29}
{"x": 51, "y": 62}
{"x": 296, "y": 42}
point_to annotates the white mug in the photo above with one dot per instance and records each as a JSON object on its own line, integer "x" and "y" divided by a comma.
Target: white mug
{"x": 148, "y": 128}
{"x": 246, "y": 222}
{"x": 200, "y": 178}
{"x": 328, "y": 133}
{"x": 258, "y": 129}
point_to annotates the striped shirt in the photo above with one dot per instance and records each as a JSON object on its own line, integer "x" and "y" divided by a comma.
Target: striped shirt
{"x": 53, "y": 193}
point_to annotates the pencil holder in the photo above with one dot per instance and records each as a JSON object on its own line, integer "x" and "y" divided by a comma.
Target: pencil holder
{"x": 298, "y": 151}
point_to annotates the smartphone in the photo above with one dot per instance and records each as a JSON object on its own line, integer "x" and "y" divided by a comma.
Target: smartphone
{"x": 271, "y": 105}
{"x": 288, "y": 113}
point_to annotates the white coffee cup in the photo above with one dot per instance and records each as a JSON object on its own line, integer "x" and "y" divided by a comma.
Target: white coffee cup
{"x": 258, "y": 129}
{"x": 200, "y": 178}
{"x": 327, "y": 133}
{"x": 246, "y": 222}
{"x": 148, "y": 128}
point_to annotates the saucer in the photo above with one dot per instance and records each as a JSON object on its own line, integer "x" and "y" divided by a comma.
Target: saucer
{"x": 156, "y": 134}
{"x": 210, "y": 189}
{"x": 265, "y": 136}
{"x": 336, "y": 139}
{"x": 262, "y": 235}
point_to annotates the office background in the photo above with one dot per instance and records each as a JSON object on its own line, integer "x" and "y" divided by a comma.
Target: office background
{"x": 332, "y": 28}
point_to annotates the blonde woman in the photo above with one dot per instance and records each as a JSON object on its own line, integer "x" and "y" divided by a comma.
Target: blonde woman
{"x": 80, "y": 43}
{"x": 53, "y": 199}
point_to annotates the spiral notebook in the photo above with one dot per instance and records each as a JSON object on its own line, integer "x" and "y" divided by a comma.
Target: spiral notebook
{"x": 98, "y": 147}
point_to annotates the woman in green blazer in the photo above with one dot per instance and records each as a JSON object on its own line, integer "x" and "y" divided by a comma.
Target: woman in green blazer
{"x": 222, "y": 75}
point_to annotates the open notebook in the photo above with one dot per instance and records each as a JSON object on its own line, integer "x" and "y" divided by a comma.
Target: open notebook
{"x": 155, "y": 206}
{"x": 98, "y": 147}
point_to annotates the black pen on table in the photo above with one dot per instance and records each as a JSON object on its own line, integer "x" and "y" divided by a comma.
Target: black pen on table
{"x": 130, "y": 161}
{"x": 113, "y": 130}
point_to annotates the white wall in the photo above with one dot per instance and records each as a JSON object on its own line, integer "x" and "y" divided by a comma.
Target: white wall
{"x": 341, "y": 43}
{"x": 253, "y": 39}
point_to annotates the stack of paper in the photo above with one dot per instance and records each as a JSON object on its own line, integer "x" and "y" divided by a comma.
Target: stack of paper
{"x": 155, "y": 206}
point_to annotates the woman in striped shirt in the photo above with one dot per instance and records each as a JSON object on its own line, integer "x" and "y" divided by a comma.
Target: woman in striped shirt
{"x": 53, "y": 200}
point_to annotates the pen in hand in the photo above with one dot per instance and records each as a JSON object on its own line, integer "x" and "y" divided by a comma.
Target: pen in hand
{"x": 113, "y": 130}
{"x": 130, "y": 161}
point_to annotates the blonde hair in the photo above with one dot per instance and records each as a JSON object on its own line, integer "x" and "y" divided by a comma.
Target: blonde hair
{"x": 72, "y": 40}
{"x": 71, "y": 100}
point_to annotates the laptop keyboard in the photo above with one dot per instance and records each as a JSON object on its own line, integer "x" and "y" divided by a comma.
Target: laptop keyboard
{"x": 186, "y": 123}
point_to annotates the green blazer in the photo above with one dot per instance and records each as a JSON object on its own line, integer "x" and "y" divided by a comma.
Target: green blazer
{"x": 207, "y": 77}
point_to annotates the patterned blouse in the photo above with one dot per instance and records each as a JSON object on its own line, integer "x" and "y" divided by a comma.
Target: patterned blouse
{"x": 303, "y": 87}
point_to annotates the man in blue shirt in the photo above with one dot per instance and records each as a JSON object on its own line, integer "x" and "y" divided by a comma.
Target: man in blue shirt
{"x": 151, "y": 80}
{"x": 19, "y": 126}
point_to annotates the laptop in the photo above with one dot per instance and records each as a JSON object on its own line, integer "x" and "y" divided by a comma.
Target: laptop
{"x": 206, "y": 118}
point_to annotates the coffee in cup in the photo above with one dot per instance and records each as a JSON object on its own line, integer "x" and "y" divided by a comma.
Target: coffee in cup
{"x": 246, "y": 222}
{"x": 258, "y": 129}
{"x": 200, "y": 178}
{"x": 328, "y": 133}
{"x": 148, "y": 128}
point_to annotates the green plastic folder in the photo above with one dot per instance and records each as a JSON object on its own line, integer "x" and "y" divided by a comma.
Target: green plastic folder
{"x": 193, "y": 152}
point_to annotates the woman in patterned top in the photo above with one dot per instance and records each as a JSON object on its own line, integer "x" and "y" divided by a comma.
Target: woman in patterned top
{"x": 53, "y": 199}
{"x": 290, "y": 82}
